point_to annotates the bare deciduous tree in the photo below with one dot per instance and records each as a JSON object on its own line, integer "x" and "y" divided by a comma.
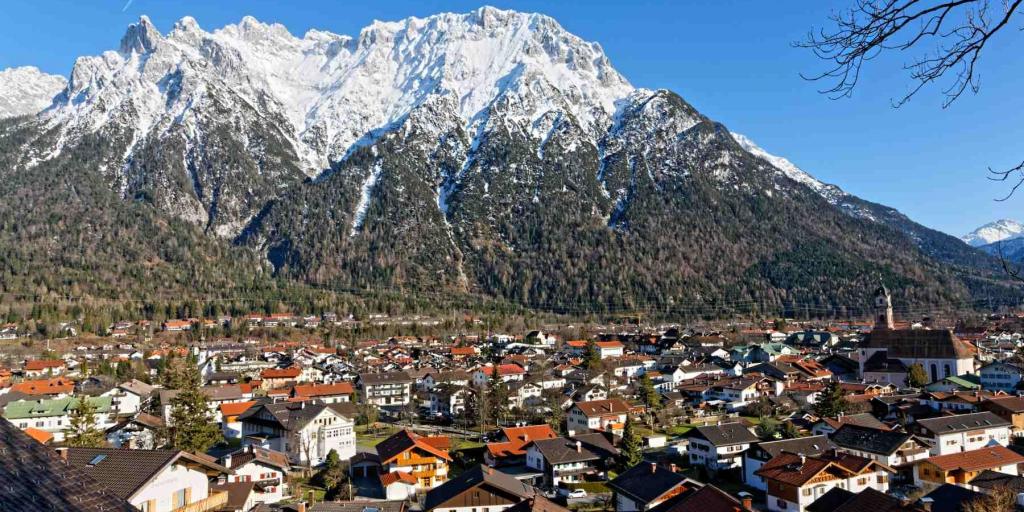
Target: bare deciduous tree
{"x": 950, "y": 34}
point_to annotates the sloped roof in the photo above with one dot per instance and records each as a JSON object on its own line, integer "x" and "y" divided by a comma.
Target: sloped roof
{"x": 724, "y": 434}
{"x": 518, "y": 438}
{"x": 920, "y": 344}
{"x": 602, "y": 407}
{"x": 35, "y": 479}
{"x": 869, "y": 439}
{"x": 708, "y": 499}
{"x": 982, "y": 458}
{"x": 125, "y": 471}
{"x": 295, "y": 415}
{"x": 315, "y": 390}
{"x": 647, "y": 482}
{"x": 478, "y": 475}
{"x": 404, "y": 440}
{"x": 962, "y": 422}
{"x": 562, "y": 450}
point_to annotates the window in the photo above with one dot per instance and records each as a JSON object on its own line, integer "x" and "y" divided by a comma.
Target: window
{"x": 178, "y": 499}
{"x": 862, "y": 481}
{"x": 807, "y": 491}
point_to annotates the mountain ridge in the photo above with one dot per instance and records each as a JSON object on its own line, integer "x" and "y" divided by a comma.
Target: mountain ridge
{"x": 489, "y": 152}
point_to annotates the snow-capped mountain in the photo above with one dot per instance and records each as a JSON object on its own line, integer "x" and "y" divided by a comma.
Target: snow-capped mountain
{"x": 998, "y": 231}
{"x": 489, "y": 151}
{"x": 26, "y": 91}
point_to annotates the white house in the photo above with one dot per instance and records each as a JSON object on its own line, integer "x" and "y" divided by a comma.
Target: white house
{"x": 160, "y": 480}
{"x": 1001, "y": 376}
{"x": 597, "y": 415}
{"x": 963, "y": 432}
{"x": 306, "y": 431}
{"x": 267, "y": 469}
{"x": 794, "y": 481}
{"x": 719, "y": 447}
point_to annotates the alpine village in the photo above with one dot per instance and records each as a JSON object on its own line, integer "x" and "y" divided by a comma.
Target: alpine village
{"x": 460, "y": 264}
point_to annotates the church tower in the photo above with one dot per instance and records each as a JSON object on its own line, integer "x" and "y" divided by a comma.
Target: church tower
{"x": 883, "y": 309}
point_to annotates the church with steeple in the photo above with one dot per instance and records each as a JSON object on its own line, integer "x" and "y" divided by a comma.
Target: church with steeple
{"x": 887, "y": 353}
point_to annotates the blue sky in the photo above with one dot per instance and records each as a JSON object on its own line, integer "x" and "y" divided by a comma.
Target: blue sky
{"x": 732, "y": 59}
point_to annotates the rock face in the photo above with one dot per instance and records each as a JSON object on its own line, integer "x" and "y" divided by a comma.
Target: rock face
{"x": 27, "y": 91}
{"x": 488, "y": 152}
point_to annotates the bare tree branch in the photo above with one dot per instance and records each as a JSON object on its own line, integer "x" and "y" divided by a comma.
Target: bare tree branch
{"x": 956, "y": 30}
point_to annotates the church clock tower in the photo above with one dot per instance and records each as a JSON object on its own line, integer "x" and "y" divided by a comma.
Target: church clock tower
{"x": 883, "y": 309}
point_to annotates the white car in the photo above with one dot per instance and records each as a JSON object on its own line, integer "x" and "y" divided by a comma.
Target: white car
{"x": 576, "y": 493}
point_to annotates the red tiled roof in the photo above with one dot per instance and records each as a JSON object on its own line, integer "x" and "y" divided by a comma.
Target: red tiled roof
{"x": 518, "y": 438}
{"x": 235, "y": 408}
{"x": 397, "y": 476}
{"x": 983, "y": 458}
{"x": 39, "y": 435}
{"x": 315, "y": 390}
{"x": 43, "y": 364}
{"x": 280, "y": 373}
{"x": 609, "y": 344}
{"x": 44, "y": 387}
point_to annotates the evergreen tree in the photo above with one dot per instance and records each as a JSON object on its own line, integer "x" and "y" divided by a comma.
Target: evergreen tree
{"x": 648, "y": 395}
{"x": 916, "y": 376}
{"x": 831, "y": 402}
{"x": 631, "y": 452}
{"x": 498, "y": 399}
{"x": 82, "y": 431}
{"x": 333, "y": 478}
{"x": 192, "y": 428}
{"x": 592, "y": 359}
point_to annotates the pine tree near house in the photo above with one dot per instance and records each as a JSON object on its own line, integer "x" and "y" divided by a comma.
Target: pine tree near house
{"x": 192, "y": 427}
{"x": 498, "y": 391}
{"x": 82, "y": 431}
{"x": 916, "y": 376}
{"x": 592, "y": 359}
{"x": 631, "y": 452}
{"x": 831, "y": 402}
{"x": 648, "y": 394}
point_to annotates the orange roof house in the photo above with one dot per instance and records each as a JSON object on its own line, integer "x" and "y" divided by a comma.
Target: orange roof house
{"x": 309, "y": 391}
{"x": 515, "y": 440}
{"x": 230, "y": 411}
{"x": 42, "y": 436}
{"x": 42, "y": 365}
{"x": 280, "y": 373}
{"x": 58, "y": 386}
{"x": 417, "y": 455}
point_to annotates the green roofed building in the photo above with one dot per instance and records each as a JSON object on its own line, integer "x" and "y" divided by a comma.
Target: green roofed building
{"x": 53, "y": 415}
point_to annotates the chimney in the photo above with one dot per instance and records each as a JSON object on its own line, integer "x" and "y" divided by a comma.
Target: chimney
{"x": 579, "y": 447}
{"x": 63, "y": 452}
{"x": 654, "y": 468}
{"x": 803, "y": 459}
{"x": 526, "y": 437}
{"x": 926, "y": 503}
{"x": 672, "y": 467}
{"x": 227, "y": 461}
{"x": 747, "y": 500}
{"x": 300, "y": 506}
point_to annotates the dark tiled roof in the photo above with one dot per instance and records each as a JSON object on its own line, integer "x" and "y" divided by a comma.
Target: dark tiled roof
{"x": 725, "y": 434}
{"x": 35, "y": 479}
{"x": 813, "y": 445}
{"x": 869, "y": 439}
{"x": 382, "y": 378}
{"x": 870, "y": 500}
{"x": 404, "y": 440}
{"x": 537, "y": 503}
{"x": 478, "y": 475}
{"x": 989, "y": 479}
{"x": 830, "y": 501}
{"x": 950, "y": 498}
{"x": 238, "y": 493}
{"x": 920, "y": 344}
{"x": 962, "y": 422}
{"x": 358, "y": 506}
{"x": 295, "y": 415}
{"x": 562, "y": 450}
{"x": 125, "y": 471}
{"x": 708, "y": 499}
{"x": 646, "y": 481}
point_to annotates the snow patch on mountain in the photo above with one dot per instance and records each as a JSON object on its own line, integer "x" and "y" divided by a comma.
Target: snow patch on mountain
{"x": 26, "y": 91}
{"x": 998, "y": 231}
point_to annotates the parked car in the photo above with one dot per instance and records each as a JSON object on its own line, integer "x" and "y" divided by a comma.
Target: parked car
{"x": 573, "y": 493}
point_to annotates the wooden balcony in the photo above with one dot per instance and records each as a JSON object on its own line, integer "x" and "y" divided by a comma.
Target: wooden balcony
{"x": 214, "y": 501}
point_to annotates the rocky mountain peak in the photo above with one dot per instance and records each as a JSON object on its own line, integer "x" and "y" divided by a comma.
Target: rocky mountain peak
{"x": 141, "y": 37}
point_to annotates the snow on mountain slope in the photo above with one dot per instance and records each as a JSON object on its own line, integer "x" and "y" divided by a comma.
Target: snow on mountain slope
{"x": 998, "y": 231}
{"x": 337, "y": 91}
{"x": 830, "y": 192}
{"x": 27, "y": 91}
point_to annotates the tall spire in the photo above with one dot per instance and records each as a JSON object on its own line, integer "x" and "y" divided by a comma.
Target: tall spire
{"x": 883, "y": 309}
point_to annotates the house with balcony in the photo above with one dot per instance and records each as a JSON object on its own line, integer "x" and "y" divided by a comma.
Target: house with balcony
{"x": 426, "y": 459}
{"x": 719, "y": 447}
{"x": 153, "y": 480}
{"x": 647, "y": 485}
{"x": 962, "y": 467}
{"x": 388, "y": 390}
{"x": 898, "y": 450}
{"x": 597, "y": 416}
{"x": 963, "y": 432}
{"x": 265, "y": 469}
{"x": 1009, "y": 408}
{"x": 762, "y": 452}
{"x": 484, "y": 488}
{"x": 1001, "y": 376}
{"x": 510, "y": 449}
{"x": 570, "y": 459}
{"x": 327, "y": 393}
{"x": 306, "y": 431}
{"x": 54, "y": 415}
{"x": 794, "y": 481}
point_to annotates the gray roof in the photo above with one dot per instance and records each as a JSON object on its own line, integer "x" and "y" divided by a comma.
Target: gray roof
{"x": 295, "y": 415}
{"x": 873, "y": 440}
{"x": 478, "y": 475}
{"x": 646, "y": 481}
{"x": 35, "y": 479}
{"x": 562, "y": 450}
{"x": 383, "y": 378}
{"x": 725, "y": 434}
{"x": 962, "y": 422}
{"x": 811, "y": 446}
{"x": 126, "y": 471}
